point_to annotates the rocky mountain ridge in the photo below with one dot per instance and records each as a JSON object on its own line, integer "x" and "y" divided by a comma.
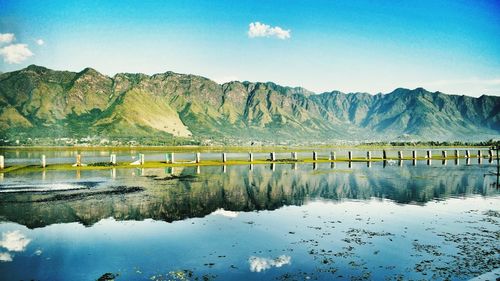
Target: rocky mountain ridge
{"x": 36, "y": 101}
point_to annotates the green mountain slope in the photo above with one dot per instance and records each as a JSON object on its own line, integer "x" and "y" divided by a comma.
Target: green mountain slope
{"x": 39, "y": 102}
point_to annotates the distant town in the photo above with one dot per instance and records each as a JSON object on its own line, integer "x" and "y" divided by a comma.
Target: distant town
{"x": 96, "y": 141}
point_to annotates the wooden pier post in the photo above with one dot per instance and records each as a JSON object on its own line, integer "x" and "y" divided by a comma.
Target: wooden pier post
{"x": 197, "y": 158}
{"x": 273, "y": 156}
{"x": 294, "y": 155}
{"x": 2, "y": 162}
{"x": 368, "y": 155}
{"x": 198, "y": 170}
{"x": 384, "y": 154}
{"x": 250, "y": 156}
{"x": 414, "y": 154}
{"x": 443, "y": 153}
{"x": 349, "y": 154}
{"x": 78, "y": 160}
{"x": 44, "y": 163}
{"x": 490, "y": 154}
{"x": 112, "y": 159}
{"x": 467, "y": 154}
{"x": 429, "y": 154}
{"x": 141, "y": 157}
{"x": 479, "y": 155}
{"x": 224, "y": 157}
{"x": 414, "y": 162}
{"x": 315, "y": 156}
{"x": 400, "y": 155}
{"x": 457, "y": 153}
{"x": 332, "y": 156}
{"x": 169, "y": 158}
{"x": 315, "y": 166}
{"x": 224, "y": 169}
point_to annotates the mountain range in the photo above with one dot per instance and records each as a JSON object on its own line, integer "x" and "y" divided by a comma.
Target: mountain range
{"x": 40, "y": 102}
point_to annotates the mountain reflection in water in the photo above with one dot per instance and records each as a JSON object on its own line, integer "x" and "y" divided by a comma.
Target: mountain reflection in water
{"x": 163, "y": 194}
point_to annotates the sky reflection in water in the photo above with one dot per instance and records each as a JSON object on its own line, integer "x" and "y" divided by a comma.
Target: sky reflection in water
{"x": 353, "y": 223}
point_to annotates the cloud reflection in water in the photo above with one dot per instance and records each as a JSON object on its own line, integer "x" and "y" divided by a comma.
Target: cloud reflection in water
{"x": 13, "y": 241}
{"x": 258, "y": 264}
{"x": 5, "y": 257}
{"x": 225, "y": 213}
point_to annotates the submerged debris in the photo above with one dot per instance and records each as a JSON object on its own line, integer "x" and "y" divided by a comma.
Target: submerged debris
{"x": 427, "y": 248}
{"x": 492, "y": 213}
{"x": 175, "y": 177}
{"x": 107, "y": 277}
{"x": 102, "y": 164}
{"x": 286, "y": 160}
{"x": 82, "y": 195}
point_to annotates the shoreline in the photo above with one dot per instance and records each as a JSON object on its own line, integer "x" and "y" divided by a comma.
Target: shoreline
{"x": 198, "y": 148}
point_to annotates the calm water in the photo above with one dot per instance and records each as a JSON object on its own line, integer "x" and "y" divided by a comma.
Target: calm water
{"x": 261, "y": 222}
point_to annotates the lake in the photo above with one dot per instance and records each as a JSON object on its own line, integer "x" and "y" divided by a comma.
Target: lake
{"x": 253, "y": 222}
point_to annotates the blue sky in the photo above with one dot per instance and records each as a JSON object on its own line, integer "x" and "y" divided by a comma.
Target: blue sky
{"x": 368, "y": 46}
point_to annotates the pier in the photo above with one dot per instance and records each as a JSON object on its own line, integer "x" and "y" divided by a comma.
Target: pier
{"x": 291, "y": 157}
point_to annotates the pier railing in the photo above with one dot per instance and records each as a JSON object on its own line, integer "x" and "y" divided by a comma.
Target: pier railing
{"x": 228, "y": 158}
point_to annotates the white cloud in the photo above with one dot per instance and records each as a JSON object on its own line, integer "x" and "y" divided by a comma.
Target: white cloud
{"x": 5, "y": 257}
{"x": 258, "y": 264}
{"x": 14, "y": 241}
{"x": 6, "y": 38}
{"x": 15, "y": 53}
{"x": 257, "y": 29}
{"x": 39, "y": 42}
